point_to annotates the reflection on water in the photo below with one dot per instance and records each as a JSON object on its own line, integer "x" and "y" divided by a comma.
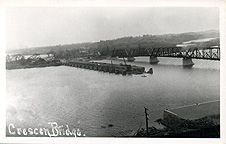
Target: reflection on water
{"x": 103, "y": 104}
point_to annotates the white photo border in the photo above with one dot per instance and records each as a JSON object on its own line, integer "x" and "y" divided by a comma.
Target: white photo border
{"x": 221, "y": 4}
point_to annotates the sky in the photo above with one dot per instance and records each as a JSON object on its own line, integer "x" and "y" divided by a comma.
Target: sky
{"x": 44, "y": 26}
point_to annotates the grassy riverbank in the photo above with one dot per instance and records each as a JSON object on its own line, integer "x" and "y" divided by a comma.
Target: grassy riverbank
{"x": 23, "y": 64}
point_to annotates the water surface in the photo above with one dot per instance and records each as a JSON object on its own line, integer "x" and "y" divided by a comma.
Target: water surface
{"x": 103, "y": 104}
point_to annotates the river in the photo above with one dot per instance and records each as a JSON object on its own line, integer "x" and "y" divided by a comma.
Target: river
{"x": 102, "y": 104}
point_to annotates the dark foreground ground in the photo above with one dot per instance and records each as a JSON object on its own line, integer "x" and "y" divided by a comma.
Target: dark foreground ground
{"x": 212, "y": 132}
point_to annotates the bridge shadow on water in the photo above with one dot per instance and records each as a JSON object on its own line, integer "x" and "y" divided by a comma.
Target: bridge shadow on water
{"x": 188, "y": 67}
{"x": 171, "y": 63}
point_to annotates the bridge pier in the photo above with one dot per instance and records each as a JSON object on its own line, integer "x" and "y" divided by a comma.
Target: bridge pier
{"x": 131, "y": 59}
{"x": 187, "y": 62}
{"x": 153, "y": 60}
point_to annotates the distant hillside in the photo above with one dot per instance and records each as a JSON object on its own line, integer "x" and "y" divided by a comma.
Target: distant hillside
{"x": 46, "y": 49}
{"x": 149, "y": 41}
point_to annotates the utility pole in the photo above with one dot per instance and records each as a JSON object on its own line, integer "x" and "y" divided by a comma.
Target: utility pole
{"x": 111, "y": 61}
{"x": 124, "y": 60}
{"x": 146, "y": 117}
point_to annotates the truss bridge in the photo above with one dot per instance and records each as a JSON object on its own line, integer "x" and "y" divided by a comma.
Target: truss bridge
{"x": 210, "y": 53}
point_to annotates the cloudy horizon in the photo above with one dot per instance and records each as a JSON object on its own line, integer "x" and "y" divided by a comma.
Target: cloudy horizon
{"x": 46, "y": 26}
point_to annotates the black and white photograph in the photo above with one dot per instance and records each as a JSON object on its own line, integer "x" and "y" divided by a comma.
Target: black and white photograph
{"x": 113, "y": 71}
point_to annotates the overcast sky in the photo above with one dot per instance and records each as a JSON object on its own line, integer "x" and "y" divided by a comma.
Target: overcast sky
{"x": 43, "y": 26}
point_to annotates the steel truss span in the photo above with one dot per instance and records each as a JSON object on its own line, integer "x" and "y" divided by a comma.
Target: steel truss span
{"x": 196, "y": 53}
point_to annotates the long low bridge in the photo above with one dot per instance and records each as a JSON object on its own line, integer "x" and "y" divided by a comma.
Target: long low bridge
{"x": 209, "y": 53}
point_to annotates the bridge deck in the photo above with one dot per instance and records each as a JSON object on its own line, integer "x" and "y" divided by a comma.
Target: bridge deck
{"x": 198, "y": 53}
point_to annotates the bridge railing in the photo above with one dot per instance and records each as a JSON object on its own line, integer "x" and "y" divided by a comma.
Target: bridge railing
{"x": 197, "y": 53}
